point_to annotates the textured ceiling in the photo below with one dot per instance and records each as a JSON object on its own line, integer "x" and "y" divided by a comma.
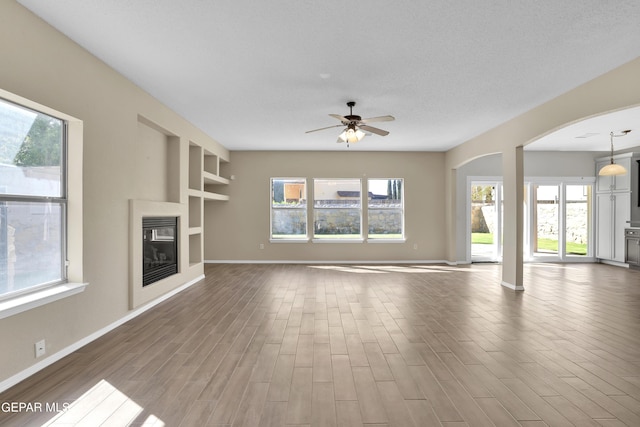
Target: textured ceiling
{"x": 255, "y": 75}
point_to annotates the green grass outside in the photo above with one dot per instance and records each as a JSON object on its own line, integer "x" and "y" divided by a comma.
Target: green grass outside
{"x": 544, "y": 245}
{"x": 482, "y": 238}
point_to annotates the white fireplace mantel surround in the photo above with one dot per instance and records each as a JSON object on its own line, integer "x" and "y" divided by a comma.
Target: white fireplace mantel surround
{"x": 138, "y": 209}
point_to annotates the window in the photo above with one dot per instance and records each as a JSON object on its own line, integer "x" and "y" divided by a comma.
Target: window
{"x": 337, "y": 209}
{"x": 385, "y": 209}
{"x": 288, "y": 208}
{"x": 33, "y": 199}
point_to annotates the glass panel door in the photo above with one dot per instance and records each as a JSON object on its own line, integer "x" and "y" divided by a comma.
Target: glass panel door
{"x": 557, "y": 221}
{"x": 486, "y": 222}
{"x": 577, "y": 219}
{"x": 546, "y": 199}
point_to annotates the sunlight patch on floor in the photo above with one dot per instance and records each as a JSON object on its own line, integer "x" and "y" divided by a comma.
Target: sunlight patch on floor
{"x": 551, "y": 266}
{"x": 103, "y": 404}
{"x": 448, "y": 268}
{"x": 397, "y": 269}
{"x": 378, "y": 269}
{"x": 344, "y": 268}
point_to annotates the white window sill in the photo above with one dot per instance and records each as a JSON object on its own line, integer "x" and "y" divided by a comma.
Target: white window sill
{"x": 383, "y": 240}
{"x": 35, "y": 299}
{"x": 335, "y": 240}
{"x": 305, "y": 240}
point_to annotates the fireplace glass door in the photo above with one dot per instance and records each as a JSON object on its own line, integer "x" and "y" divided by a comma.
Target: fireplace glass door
{"x": 159, "y": 248}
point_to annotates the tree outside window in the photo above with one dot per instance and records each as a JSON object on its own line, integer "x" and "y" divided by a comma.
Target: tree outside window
{"x": 32, "y": 199}
{"x": 385, "y": 208}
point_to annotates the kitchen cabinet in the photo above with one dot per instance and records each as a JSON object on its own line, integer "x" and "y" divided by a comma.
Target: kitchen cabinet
{"x": 612, "y": 213}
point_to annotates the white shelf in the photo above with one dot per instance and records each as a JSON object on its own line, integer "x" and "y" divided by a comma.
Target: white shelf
{"x": 208, "y": 196}
{"x": 211, "y": 178}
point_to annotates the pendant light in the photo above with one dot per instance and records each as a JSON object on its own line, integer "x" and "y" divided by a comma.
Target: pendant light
{"x": 612, "y": 168}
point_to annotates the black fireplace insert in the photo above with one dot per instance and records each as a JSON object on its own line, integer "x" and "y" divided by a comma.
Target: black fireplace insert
{"x": 159, "y": 248}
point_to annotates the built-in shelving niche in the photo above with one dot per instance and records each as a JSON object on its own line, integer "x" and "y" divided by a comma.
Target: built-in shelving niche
{"x": 214, "y": 182}
{"x": 195, "y": 249}
{"x": 195, "y": 167}
{"x": 195, "y": 213}
{"x": 206, "y": 184}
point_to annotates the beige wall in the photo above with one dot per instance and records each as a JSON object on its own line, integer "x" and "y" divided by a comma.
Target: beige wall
{"x": 235, "y": 229}
{"x": 40, "y": 64}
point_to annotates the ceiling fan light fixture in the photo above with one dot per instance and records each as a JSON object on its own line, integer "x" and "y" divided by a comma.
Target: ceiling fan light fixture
{"x": 613, "y": 169}
{"x": 351, "y": 134}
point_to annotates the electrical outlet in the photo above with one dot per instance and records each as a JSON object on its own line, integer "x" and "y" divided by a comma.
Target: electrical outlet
{"x": 261, "y": 246}
{"x": 40, "y": 348}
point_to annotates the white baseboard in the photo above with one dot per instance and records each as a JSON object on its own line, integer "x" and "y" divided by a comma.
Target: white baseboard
{"x": 614, "y": 263}
{"x": 20, "y": 376}
{"x": 512, "y": 286}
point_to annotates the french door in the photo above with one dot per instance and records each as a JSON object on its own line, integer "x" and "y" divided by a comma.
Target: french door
{"x": 557, "y": 221}
{"x": 545, "y": 219}
{"x": 561, "y": 221}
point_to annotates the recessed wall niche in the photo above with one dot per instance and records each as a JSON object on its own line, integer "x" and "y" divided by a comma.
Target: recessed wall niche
{"x": 175, "y": 177}
{"x": 157, "y": 163}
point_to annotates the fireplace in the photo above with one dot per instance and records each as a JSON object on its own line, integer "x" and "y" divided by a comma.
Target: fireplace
{"x": 159, "y": 248}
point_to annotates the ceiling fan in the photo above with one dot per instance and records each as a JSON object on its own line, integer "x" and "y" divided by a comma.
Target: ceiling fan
{"x": 356, "y": 125}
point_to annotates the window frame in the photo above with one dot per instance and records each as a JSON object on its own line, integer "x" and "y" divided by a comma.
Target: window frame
{"x": 43, "y": 201}
{"x": 303, "y": 238}
{"x": 337, "y": 238}
{"x": 379, "y": 238}
{"x": 71, "y": 226}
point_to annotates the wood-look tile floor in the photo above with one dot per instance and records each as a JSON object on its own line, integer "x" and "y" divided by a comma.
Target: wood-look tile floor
{"x": 313, "y": 345}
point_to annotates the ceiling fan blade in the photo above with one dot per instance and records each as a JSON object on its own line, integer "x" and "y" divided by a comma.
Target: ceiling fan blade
{"x": 339, "y": 117}
{"x": 328, "y": 127}
{"x": 378, "y": 119}
{"x": 374, "y": 130}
